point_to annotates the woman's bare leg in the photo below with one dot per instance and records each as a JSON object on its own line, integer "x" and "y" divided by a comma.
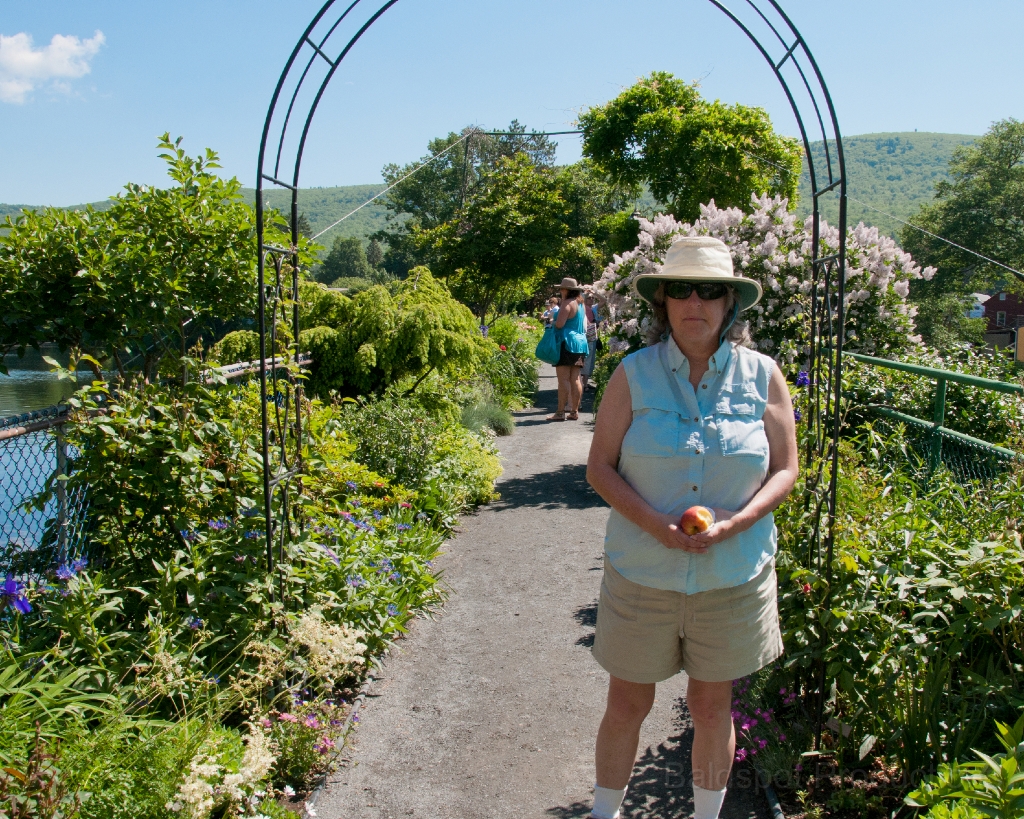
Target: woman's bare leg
{"x": 563, "y": 387}
{"x": 575, "y": 390}
{"x": 619, "y": 735}
{"x": 714, "y": 738}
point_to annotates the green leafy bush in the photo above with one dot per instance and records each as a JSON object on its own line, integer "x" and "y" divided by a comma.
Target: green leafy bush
{"x": 923, "y": 628}
{"x": 384, "y": 334}
{"x": 992, "y": 787}
{"x": 512, "y": 373}
{"x": 236, "y": 346}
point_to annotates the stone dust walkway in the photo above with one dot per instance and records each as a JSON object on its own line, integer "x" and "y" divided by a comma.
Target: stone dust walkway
{"x": 491, "y": 708}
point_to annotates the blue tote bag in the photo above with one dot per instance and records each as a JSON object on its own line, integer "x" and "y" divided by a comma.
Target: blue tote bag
{"x": 547, "y": 348}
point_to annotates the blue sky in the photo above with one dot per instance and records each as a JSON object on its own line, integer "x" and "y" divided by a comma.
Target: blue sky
{"x": 80, "y": 116}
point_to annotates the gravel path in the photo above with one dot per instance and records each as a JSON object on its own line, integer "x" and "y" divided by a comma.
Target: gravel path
{"x": 491, "y": 708}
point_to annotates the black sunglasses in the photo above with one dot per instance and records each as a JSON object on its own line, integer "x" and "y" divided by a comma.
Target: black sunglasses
{"x": 707, "y": 291}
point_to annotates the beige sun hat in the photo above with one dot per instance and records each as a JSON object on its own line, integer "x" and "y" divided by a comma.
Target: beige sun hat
{"x": 699, "y": 259}
{"x": 569, "y": 283}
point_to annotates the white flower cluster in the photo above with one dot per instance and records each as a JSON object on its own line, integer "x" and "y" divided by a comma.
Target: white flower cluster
{"x": 331, "y": 650}
{"x": 773, "y": 247}
{"x": 206, "y": 785}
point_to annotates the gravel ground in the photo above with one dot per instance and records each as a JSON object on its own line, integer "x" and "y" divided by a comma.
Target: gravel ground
{"x": 490, "y": 709}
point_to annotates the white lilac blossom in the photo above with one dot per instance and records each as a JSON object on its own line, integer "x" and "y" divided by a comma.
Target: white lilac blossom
{"x": 772, "y": 246}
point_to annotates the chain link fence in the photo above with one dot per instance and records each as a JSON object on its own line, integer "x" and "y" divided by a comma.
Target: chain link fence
{"x": 33, "y": 452}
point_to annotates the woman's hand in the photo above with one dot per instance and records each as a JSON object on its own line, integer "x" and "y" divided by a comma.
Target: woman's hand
{"x": 671, "y": 536}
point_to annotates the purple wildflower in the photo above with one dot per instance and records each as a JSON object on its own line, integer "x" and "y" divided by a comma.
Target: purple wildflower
{"x": 311, "y": 722}
{"x": 13, "y": 594}
{"x": 797, "y": 415}
{"x": 65, "y": 572}
{"x": 324, "y": 745}
{"x": 741, "y": 754}
{"x": 802, "y": 378}
{"x": 194, "y": 623}
{"x": 401, "y": 527}
{"x": 351, "y": 485}
{"x": 252, "y": 534}
{"x": 218, "y": 525}
{"x": 355, "y": 581}
{"x": 392, "y": 610}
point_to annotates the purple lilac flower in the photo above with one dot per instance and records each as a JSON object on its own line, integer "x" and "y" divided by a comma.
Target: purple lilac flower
{"x": 392, "y": 610}
{"x": 802, "y": 378}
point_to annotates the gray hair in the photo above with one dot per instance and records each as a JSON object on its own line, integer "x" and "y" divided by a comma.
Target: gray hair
{"x": 738, "y": 333}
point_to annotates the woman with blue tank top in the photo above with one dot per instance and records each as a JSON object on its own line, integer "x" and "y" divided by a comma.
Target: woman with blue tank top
{"x": 571, "y": 334}
{"x": 695, "y": 419}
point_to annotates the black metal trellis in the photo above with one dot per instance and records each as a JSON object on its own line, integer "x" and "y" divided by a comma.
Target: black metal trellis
{"x": 335, "y": 30}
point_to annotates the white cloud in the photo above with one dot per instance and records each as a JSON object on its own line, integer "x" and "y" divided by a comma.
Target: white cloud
{"x": 23, "y": 67}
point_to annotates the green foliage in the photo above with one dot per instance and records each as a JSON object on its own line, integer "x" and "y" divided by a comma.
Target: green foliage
{"x": 661, "y": 132}
{"x": 383, "y": 334}
{"x": 512, "y": 373}
{"x": 923, "y": 626}
{"x": 419, "y": 441}
{"x": 604, "y": 368}
{"x": 437, "y": 192}
{"x": 992, "y": 787}
{"x": 980, "y": 207}
{"x": 942, "y": 320}
{"x": 127, "y": 279}
{"x": 505, "y": 238}
{"x": 322, "y": 207}
{"x": 238, "y": 345}
{"x": 346, "y": 260}
{"x": 994, "y": 417}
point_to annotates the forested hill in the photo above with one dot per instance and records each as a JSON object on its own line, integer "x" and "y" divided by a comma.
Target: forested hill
{"x": 895, "y": 173}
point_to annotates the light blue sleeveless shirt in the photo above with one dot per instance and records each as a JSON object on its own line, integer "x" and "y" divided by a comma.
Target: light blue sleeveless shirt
{"x": 689, "y": 447}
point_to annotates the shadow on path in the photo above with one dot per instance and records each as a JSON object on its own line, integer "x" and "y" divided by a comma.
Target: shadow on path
{"x": 563, "y": 488}
{"x": 586, "y": 616}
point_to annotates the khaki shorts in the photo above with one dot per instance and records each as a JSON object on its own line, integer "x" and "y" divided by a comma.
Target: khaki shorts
{"x": 647, "y": 635}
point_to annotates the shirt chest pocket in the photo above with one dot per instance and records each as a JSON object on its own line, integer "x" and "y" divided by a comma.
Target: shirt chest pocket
{"x": 652, "y": 434}
{"x": 740, "y": 428}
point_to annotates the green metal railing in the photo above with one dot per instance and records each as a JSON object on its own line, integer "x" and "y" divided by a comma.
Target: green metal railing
{"x": 969, "y": 458}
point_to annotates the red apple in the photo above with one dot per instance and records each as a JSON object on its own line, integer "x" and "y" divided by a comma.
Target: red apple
{"x": 696, "y": 519}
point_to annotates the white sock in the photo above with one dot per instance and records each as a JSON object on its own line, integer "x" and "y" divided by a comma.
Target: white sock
{"x": 607, "y": 802}
{"x": 707, "y": 804}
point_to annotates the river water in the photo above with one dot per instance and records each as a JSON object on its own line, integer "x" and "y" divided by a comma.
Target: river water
{"x": 30, "y": 384}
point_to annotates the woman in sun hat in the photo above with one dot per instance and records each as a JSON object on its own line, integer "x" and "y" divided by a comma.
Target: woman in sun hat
{"x": 571, "y": 332}
{"x": 696, "y": 418}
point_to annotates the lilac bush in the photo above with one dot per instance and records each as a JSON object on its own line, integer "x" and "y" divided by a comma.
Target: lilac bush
{"x": 773, "y": 247}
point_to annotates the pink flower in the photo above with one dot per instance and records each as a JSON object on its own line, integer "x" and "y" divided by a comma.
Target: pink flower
{"x": 741, "y": 754}
{"x": 286, "y": 717}
{"x": 312, "y": 722}
{"x": 266, "y": 723}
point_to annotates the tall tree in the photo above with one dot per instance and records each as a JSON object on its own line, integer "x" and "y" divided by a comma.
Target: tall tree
{"x": 661, "y": 132}
{"x": 981, "y": 207}
{"x": 346, "y": 260}
{"x": 426, "y": 198}
{"x": 504, "y": 239}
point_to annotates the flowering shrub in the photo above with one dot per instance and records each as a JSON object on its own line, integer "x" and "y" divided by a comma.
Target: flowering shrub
{"x": 771, "y": 246}
{"x": 305, "y": 739}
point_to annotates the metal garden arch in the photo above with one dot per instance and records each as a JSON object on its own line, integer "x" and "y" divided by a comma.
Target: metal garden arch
{"x": 327, "y": 41}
